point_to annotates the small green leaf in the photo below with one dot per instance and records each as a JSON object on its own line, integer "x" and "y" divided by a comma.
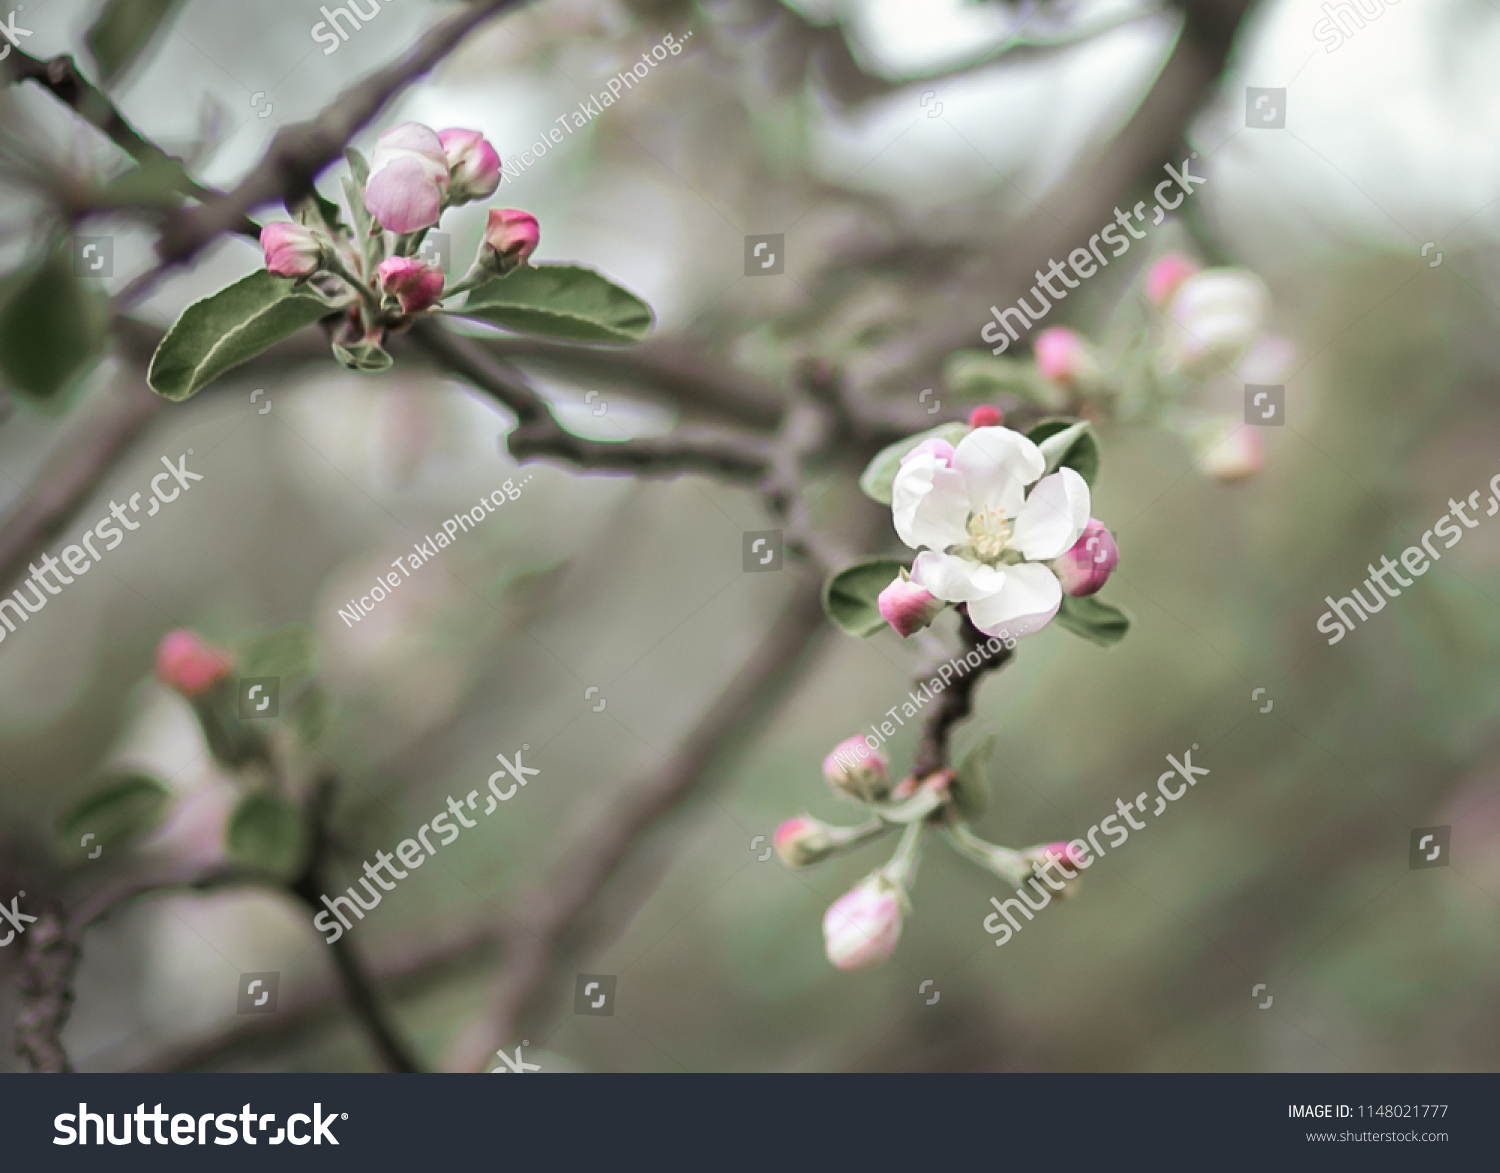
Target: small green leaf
{"x": 850, "y": 596}
{"x": 1068, "y": 444}
{"x": 266, "y": 832}
{"x": 972, "y": 374}
{"x": 288, "y": 652}
{"x": 123, "y": 808}
{"x": 52, "y": 328}
{"x": 972, "y": 793}
{"x": 559, "y": 301}
{"x": 231, "y": 327}
{"x": 1095, "y": 621}
{"x": 124, "y": 29}
{"x": 315, "y": 210}
{"x": 363, "y": 356}
{"x": 880, "y": 473}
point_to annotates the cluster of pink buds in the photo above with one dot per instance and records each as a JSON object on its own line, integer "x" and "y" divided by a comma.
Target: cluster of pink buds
{"x": 415, "y": 174}
{"x": 862, "y": 927}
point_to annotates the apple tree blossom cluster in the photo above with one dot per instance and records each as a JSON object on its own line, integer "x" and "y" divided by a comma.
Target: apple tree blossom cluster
{"x": 1001, "y": 529}
{"x": 365, "y": 279}
{"x": 1180, "y": 354}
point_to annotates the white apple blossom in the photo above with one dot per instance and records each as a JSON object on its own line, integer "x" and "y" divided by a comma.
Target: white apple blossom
{"x": 984, "y": 540}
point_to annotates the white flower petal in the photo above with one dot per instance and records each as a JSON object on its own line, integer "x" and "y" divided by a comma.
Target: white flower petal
{"x": 929, "y": 504}
{"x": 1025, "y": 604}
{"x": 954, "y": 579}
{"x": 998, "y": 464}
{"x": 1053, "y": 518}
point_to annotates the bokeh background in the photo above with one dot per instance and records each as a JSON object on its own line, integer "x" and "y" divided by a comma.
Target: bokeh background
{"x": 895, "y": 143}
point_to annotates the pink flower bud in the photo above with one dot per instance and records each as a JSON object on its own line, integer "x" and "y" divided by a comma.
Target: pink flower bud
{"x": 1062, "y": 356}
{"x": 415, "y": 284}
{"x": 1053, "y": 862}
{"x": 908, "y": 607}
{"x": 291, "y": 250}
{"x": 408, "y": 179}
{"x": 1087, "y": 566}
{"x": 802, "y": 841}
{"x": 862, "y": 926}
{"x": 1236, "y": 457}
{"x": 186, "y": 663}
{"x": 856, "y": 771}
{"x": 1166, "y": 275}
{"x": 985, "y": 416}
{"x": 473, "y": 166}
{"x": 510, "y": 236}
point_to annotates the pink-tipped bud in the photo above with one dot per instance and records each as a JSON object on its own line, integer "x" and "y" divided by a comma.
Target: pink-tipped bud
{"x": 291, "y": 250}
{"x": 985, "y": 416}
{"x": 1063, "y": 357}
{"x": 1087, "y": 566}
{"x": 1238, "y": 457}
{"x": 856, "y": 771}
{"x": 473, "y": 166}
{"x": 1166, "y": 275}
{"x": 802, "y": 841}
{"x": 510, "y": 236}
{"x": 186, "y": 663}
{"x": 1228, "y": 450}
{"x": 862, "y": 926}
{"x": 1058, "y": 865}
{"x": 408, "y": 179}
{"x": 413, "y": 283}
{"x": 908, "y": 607}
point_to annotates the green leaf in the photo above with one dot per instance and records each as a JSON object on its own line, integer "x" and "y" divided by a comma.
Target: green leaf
{"x": 367, "y": 234}
{"x": 267, "y": 832}
{"x": 973, "y": 374}
{"x": 288, "y": 652}
{"x": 363, "y": 356}
{"x": 124, "y": 29}
{"x": 559, "y": 301}
{"x": 850, "y": 596}
{"x": 1095, "y": 621}
{"x": 229, "y": 328}
{"x": 880, "y": 473}
{"x": 1067, "y": 444}
{"x": 123, "y": 808}
{"x": 157, "y": 183}
{"x": 972, "y": 793}
{"x": 52, "y": 328}
{"x": 317, "y": 211}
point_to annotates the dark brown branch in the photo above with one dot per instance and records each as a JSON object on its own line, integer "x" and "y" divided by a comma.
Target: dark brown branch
{"x": 954, "y": 703}
{"x": 358, "y": 988}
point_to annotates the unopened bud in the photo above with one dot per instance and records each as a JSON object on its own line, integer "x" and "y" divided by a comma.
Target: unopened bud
{"x": 473, "y": 166}
{"x": 414, "y": 284}
{"x": 1228, "y": 451}
{"x": 803, "y": 841}
{"x": 862, "y": 926}
{"x": 291, "y": 250}
{"x": 510, "y": 236}
{"x": 1087, "y": 566}
{"x": 908, "y": 607}
{"x": 856, "y": 771}
{"x": 985, "y": 416}
{"x": 1166, "y": 276}
{"x": 184, "y": 662}
{"x": 1064, "y": 357}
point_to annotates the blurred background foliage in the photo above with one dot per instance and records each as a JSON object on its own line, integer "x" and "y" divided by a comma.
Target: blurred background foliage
{"x": 1288, "y": 865}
